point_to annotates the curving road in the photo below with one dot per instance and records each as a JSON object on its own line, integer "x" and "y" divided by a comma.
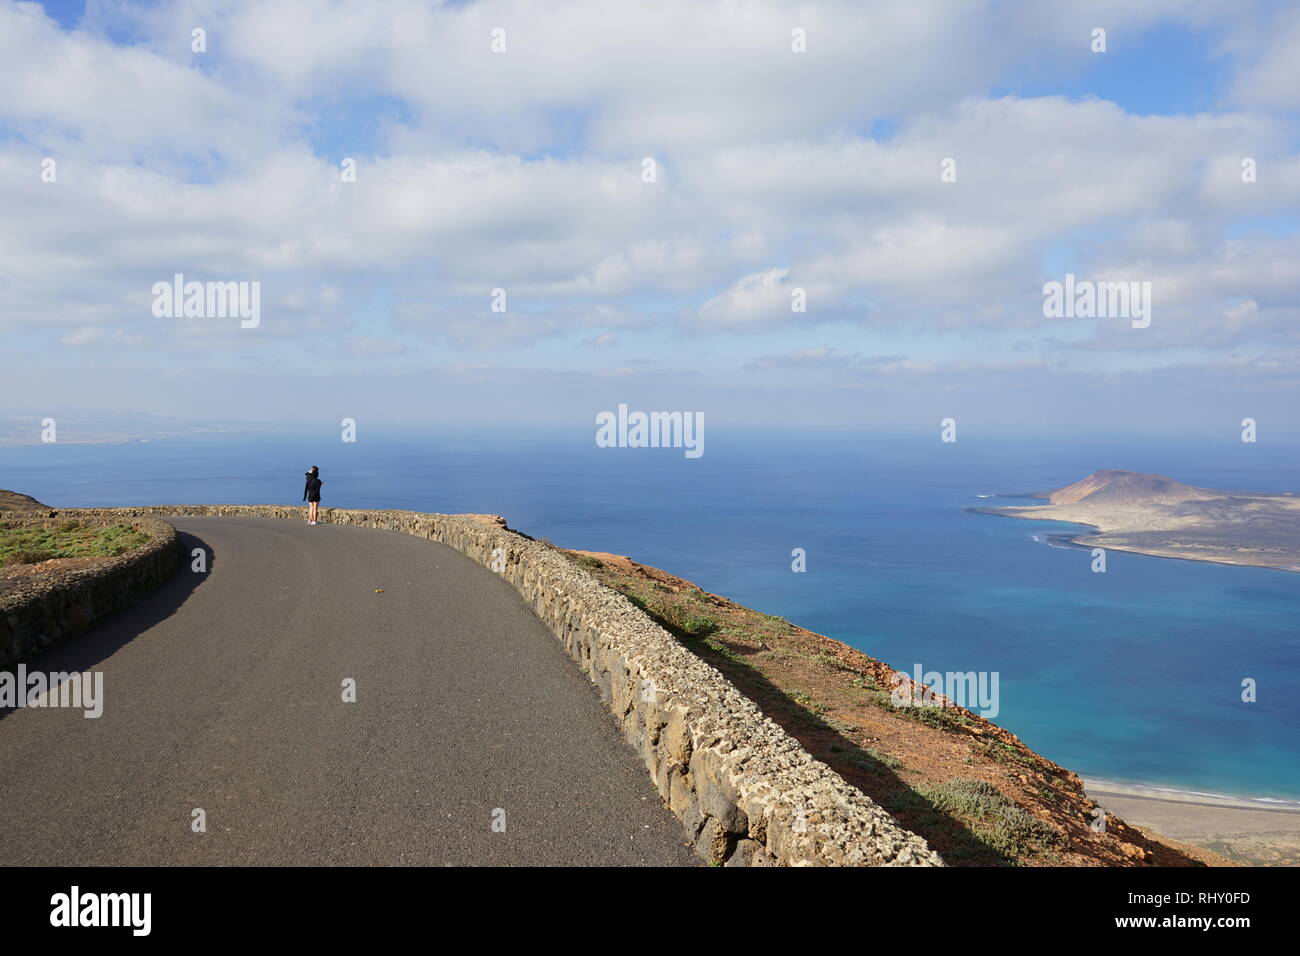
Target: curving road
{"x": 223, "y": 691}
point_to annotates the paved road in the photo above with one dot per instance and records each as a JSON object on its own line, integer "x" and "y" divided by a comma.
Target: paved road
{"x": 223, "y": 691}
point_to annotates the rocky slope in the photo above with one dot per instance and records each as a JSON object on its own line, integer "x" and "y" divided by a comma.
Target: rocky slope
{"x": 974, "y": 791}
{"x": 1119, "y": 487}
{"x": 13, "y": 501}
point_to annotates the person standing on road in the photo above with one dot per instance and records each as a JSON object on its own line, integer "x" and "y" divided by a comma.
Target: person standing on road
{"x": 311, "y": 494}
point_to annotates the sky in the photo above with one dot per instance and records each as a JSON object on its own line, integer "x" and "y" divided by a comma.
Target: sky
{"x": 915, "y": 171}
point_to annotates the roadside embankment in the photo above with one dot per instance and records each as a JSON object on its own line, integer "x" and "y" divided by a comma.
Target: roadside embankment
{"x": 67, "y": 597}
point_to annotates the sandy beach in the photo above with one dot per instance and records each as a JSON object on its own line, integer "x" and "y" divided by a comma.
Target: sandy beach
{"x": 1248, "y": 832}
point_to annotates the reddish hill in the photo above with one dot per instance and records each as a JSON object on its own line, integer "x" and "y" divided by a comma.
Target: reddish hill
{"x": 1115, "y": 487}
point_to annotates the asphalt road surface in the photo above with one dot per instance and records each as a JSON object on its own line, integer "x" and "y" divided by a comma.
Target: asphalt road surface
{"x": 223, "y": 691}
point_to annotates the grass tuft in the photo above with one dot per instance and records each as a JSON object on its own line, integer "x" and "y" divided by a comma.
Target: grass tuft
{"x": 31, "y": 544}
{"x": 993, "y": 819}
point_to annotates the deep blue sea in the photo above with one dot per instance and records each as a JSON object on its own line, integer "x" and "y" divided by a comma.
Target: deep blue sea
{"x": 1133, "y": 675}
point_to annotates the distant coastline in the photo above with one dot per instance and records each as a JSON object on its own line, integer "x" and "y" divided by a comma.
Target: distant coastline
{"x": 1163, "y": 518}
{"x": 1086, "y": 541}
{"x": 1156, "y": 791}
{"x": 78, "y": 426}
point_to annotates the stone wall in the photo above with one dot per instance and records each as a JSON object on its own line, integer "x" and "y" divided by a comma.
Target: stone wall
{"x": 747, "y": 793}
{"x": 41, "y": 610}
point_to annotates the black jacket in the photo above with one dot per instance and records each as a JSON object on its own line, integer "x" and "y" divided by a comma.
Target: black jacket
{"x": 312, "y": 491}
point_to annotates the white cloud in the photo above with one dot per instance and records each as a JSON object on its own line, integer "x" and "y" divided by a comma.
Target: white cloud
{"x": 1269, "y": 48}
{"x": 523, "y": 171}
{"x": 757, "y": 298}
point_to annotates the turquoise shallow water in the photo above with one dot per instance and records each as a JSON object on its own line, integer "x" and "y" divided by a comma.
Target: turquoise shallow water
{"x": 1131, "y": 675}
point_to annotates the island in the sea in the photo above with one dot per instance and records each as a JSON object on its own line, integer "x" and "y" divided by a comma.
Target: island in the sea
{"x": 1151, "y": 514}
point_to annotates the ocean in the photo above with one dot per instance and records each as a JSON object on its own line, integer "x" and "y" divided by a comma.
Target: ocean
{"x": 1133, "y": 675}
